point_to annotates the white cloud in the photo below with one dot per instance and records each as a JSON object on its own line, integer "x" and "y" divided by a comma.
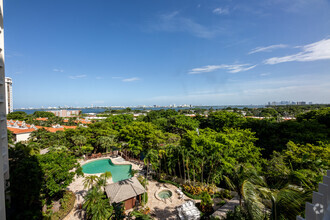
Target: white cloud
{"x": 221, "y": 11}
{"x": 58, "y": 70}
{"x": 131, "y": 79}
{"x": 78, "y": 76}
{"x": 316, "y": 51}
{"x": 174, "y": 22}
{"x": 234, "y": 68}
{"x": 265, "y": 74}
{"x": 267, "y": 49}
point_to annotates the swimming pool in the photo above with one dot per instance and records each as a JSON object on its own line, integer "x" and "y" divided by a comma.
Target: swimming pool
{"x": 119, "y": 172}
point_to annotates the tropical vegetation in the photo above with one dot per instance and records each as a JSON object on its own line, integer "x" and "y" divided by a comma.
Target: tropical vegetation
{"x": 272, "y": 164}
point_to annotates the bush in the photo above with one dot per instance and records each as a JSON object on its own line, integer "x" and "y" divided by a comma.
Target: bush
{"x": 221, "y": 203}
{"x": 67, "y": 204}
{"x": 224, "y": 194}
{"x": 206, "y": 203}
{"x": 142, "y": 199}
{"x": 178, "y": 185}
{"x": 199, "y": 189}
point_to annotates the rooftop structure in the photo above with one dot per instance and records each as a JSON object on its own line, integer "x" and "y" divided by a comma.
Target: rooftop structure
{"x": 128, "y": 191}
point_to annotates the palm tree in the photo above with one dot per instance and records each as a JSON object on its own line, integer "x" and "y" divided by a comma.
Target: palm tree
{"x": 97, "y": 206}
{"x": 150, "y": 158}
{"x": 239, "y": 175}
{"x": 106, "y": 142}
{"x": 90, "y": 181}
{"x": 102, "y": 180}
{"x": 284, "y": 203}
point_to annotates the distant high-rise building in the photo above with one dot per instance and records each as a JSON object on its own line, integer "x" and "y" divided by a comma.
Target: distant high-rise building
{"x": 9, "y": 95}
{"x": 4, "y": 165}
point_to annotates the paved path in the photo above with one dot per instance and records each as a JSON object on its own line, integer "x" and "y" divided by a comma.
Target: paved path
{"x": 229, "y": 206}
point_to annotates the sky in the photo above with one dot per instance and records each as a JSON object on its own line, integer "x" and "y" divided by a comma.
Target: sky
{"x": 162, "y": 52}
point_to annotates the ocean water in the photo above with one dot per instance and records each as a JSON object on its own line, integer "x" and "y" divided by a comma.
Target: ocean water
{"x": 100, "y": 110}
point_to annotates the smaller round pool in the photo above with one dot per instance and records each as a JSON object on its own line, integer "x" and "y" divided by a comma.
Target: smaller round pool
{"x": 165, "y": 194}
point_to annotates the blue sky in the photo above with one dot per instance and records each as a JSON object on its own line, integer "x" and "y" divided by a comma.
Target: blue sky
{"x": 146, "y": 52}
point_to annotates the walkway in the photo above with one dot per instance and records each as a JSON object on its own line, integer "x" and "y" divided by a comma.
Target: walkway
{"x": 229, "y": 206}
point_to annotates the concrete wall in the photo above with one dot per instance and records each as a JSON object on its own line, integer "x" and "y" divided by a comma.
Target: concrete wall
{"x": 4, "y": 165}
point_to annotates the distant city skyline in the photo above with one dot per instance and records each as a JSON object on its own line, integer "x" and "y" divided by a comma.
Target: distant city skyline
{"x": 129, "y": 53}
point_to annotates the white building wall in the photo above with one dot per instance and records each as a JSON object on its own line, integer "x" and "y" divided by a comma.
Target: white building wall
{"x": 22, "y": 137}
{"x": 4, "y": 165}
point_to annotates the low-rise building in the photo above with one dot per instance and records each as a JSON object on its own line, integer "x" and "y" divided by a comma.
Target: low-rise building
{"x": 22, "y": 131}
{"x": 66, "y": 113}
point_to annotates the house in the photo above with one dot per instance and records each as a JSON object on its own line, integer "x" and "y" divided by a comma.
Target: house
{"x": 22, "y": 131}
{"x": 128, "y": 191}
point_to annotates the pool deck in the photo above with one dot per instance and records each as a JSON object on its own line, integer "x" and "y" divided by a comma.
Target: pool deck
{"x": 158, "y": 208}
{"x": 77, "y": 186}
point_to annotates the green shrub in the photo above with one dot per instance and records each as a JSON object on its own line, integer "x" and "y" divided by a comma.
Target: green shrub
{"x": 142, "y": 199}
{"x": 67, "y": 204}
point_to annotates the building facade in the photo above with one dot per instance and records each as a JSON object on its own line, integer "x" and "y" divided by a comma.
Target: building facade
{"x": 9, "y": 94}
{"x": 66, "y": 113}
{"x": 4, "y": 165}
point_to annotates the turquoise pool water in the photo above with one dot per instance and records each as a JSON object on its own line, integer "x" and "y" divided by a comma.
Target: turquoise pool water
{"x": 119, "y": 172}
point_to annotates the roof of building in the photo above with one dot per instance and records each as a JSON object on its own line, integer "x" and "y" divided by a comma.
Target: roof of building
{"x": 124, "y": 190}
{"x": 20, "y": 127}
{"x": 54, "y": 129}
{"x": 41, "y": 119}
{"x": 20, "y": 130}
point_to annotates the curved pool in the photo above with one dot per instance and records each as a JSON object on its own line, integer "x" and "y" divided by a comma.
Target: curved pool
{"x": 119, "y": 172}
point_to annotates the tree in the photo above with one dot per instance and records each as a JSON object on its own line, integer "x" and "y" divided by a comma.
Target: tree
{"x": 180, "y": 124}
{"x": 90, "y": 181}
{"x": 106, "y": 142}
{"x": 10, "y": 136}
{"x": 141, "y": 137}
{"x": 223, "y": 119}
{"x": 237, "y": 179}
{"x": 59, "y": 170}
{"x": 97, "y": 206}
{"x": 19, "y": 115}
{"x": 79, "y": 141}
{"x": 283, "y": 203}
{"x": 150, "y": 158}
{"x": 26, "y": 182}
